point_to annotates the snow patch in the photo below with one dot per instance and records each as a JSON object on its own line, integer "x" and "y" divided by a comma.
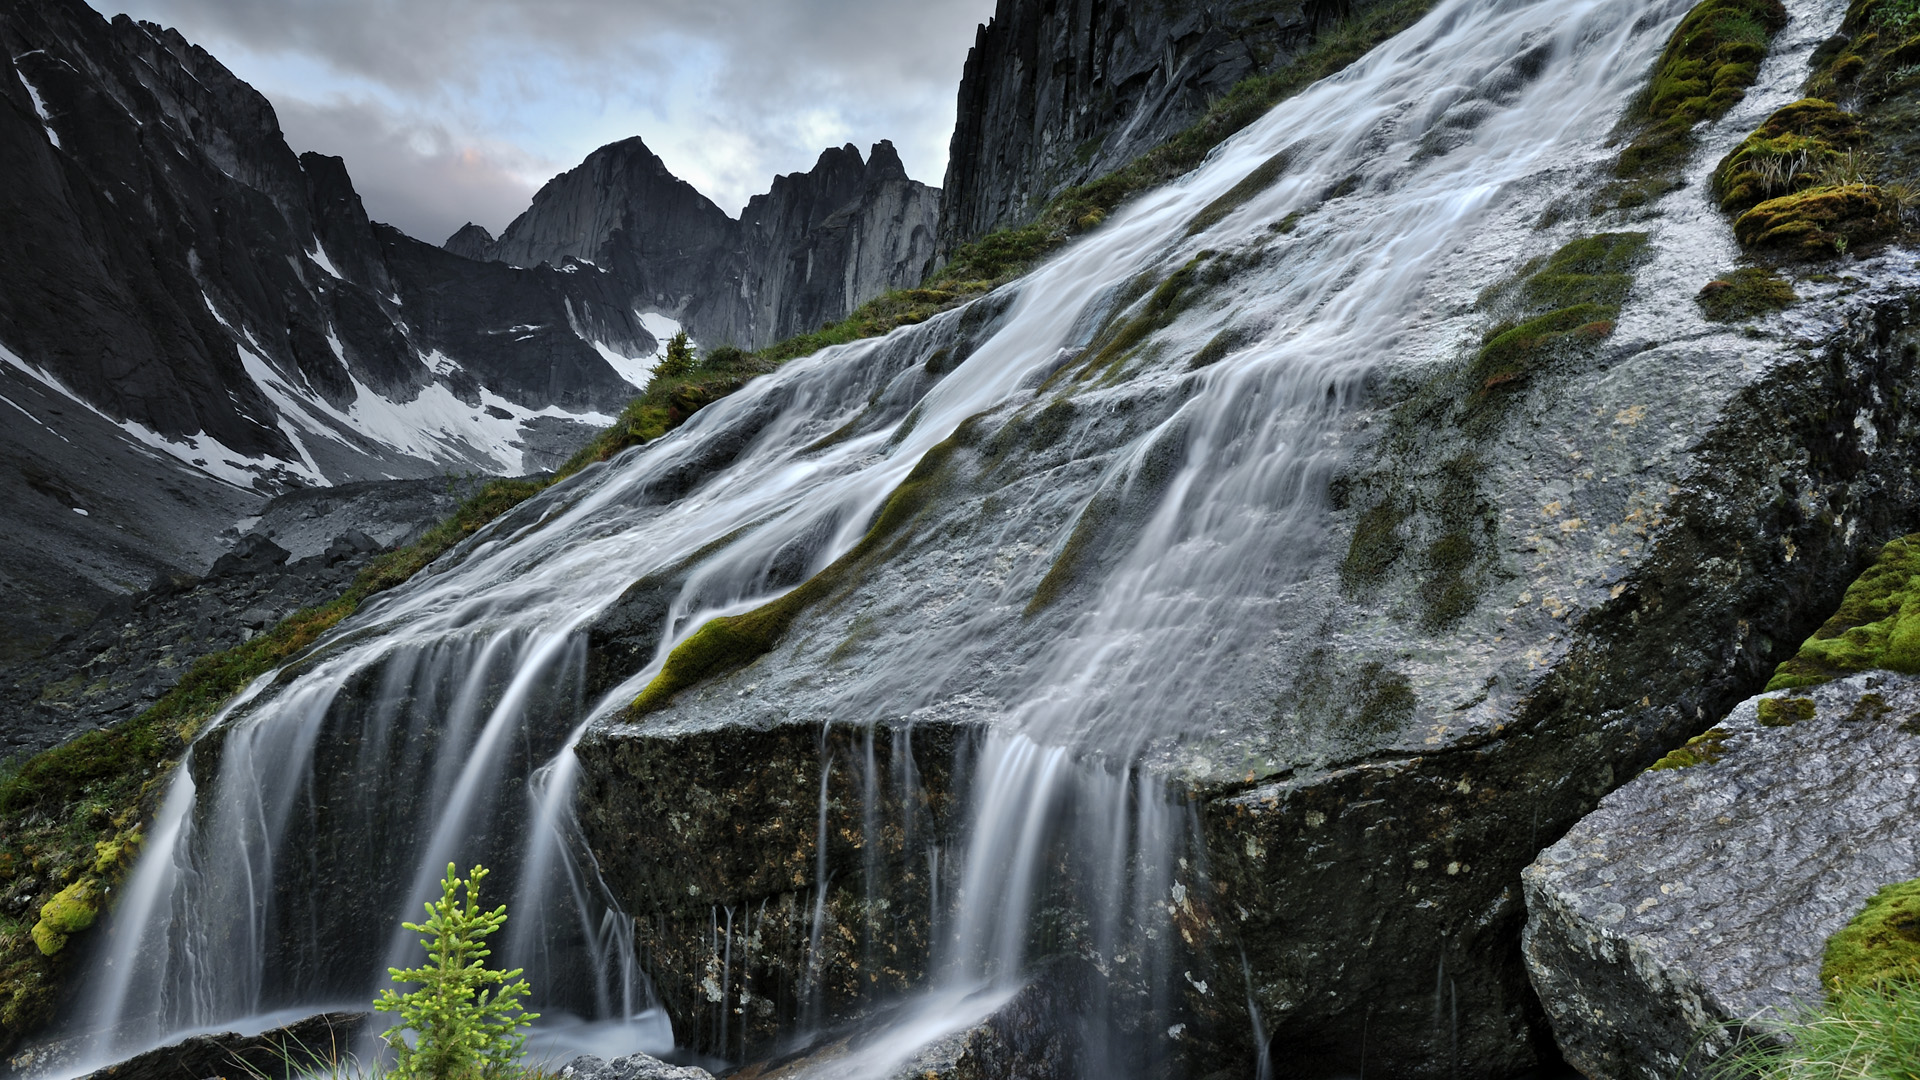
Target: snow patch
{"x": 200, "y": 450}
{"x": 81, "y": 512}
{"x": 658, "y": 325}
{"x": 39, "y": 104}
{"x": 319, "y": 257}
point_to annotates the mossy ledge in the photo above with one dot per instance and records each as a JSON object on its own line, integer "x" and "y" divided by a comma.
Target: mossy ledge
{"x": 1712, "y": 58}
{"x": 1876, "y": 627}
{"x": 1746, "y": 293}
{"x": 1880, "y": 945}
{"x": 730, "y": 642}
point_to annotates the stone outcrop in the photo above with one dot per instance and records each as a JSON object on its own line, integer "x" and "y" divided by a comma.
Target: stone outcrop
{"x": 1698, "y": 898}
{"x": 631, "y": 1067}
{"x": 822, "y": 242}
{"x": 1521, "y": 597}
{"x": 1059, "y": 92}
{"x": 807, "y": 252}
{"x": 319, "y": 1042}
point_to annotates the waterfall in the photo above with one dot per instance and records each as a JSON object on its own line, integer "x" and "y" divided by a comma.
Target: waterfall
{"x": 437, "y": 724}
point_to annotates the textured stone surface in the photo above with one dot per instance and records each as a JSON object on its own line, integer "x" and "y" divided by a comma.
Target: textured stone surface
{"x": 318, "y": 1042}
{"x": 807, "y": 252}
{"x": 304, "y": 549}
{"x": 1698, "y": 898}
{"x": 721, "y": 829}
{"x": 631, "y": 1067}
{"x": 1059, "y": 92}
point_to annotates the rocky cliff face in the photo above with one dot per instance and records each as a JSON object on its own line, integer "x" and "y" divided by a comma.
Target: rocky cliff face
{"x": 171, "y": 269}
{"x": 807, "y": 252}
{"x": 1059, "y": 92}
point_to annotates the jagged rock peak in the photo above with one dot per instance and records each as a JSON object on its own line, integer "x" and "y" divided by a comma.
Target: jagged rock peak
{"x": 621, "y": 188}
{"x": 471, "y": 241}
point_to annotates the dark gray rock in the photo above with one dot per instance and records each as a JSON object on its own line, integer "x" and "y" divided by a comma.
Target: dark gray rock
{"x": 1059, "y": 92}
{"x": 631, "y": 1067}
{"x": 317, "y": 1042}
{"x": 471, "y": 241}
{"x": 1697, "y": 900}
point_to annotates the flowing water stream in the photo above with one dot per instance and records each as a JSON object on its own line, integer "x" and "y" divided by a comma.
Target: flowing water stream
{"x": 436, "y": 725}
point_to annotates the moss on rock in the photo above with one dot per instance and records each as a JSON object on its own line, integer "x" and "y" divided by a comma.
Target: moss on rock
{"x": 1788, "y": 152}
{"x": 1784, "y": 712}
{"x": 1709, "y": 62}
{"x": 1744, "y": 294}
{"x": 1876, "y": 627}
{"x": 1879, "y": 945}
{"x": 1556, "y": 307}
{"x": 1818, "y": 221}
{"x": 1703, "y": 749}
{"x": 71, "y": 910}
{"x": 731, "y": 642}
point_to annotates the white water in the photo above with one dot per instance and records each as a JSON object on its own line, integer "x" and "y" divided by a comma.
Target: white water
{"x": 435, "y": 726}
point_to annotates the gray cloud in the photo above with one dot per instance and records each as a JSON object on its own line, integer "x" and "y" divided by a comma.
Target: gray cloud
{"x": 740, "y": 89}
{"x": 410, "y": 173}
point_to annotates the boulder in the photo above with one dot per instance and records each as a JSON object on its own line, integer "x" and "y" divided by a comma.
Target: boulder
{"x": 631, "y": 1067}
{"x": 319, "y": 1041}
{"x": 1699, "y": 897}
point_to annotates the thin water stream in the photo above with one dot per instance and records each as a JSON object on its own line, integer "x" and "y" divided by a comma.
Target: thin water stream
{"x": 437, "y": 724}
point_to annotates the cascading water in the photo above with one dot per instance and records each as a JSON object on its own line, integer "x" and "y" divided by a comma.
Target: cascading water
{"x": 436, "y": 725}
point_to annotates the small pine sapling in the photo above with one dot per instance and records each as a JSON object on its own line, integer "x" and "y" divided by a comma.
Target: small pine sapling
{"x": 465, "y": 1018}
{"x": 679, "y": 359}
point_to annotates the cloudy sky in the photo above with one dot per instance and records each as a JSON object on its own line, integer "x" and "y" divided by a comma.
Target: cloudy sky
{"x": 455, "y": 110}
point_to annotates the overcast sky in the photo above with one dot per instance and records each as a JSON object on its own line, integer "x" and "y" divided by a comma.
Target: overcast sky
{"x": 455, "y": 110}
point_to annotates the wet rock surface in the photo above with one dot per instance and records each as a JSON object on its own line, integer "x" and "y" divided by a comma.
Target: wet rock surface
{"x": 721, "y": 831}
{"x": 138, "y": 646}
{"x": 631, "y": 1067}
{"x": 1035, "y": 1034}
{"x": 1580, "y": 578}
{"x": 1699, "y": 899}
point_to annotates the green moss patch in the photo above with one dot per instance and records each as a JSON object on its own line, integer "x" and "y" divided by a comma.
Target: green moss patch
{"x": 1876, "y": 627}
{"x": 1796, "y": 146}
{"x": 1557, "y": 307}
{"x": 1708, "y": 64}
{"x": 71, "y": 910}
{"x": 1819, "y": 221}
{"x": 1880, "y": 945}
{"x": 1702, "y": 749}
{"x": 1785, "y": 712}
{"x": 1745, "y": 294}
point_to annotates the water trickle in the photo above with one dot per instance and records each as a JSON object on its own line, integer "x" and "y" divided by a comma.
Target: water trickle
{"x": 1123, "y": 633}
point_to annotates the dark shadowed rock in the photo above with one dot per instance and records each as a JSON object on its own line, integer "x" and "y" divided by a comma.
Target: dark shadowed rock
{"x": 1059, "y": 92}
{"x": 471, "y": 241}
{"x": 806, "y": 253}
{"x": 317, "y": 1042}
{"x": 1699, "y": 899}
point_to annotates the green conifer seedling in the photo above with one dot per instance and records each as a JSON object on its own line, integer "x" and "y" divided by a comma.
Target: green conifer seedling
{"x": 465, "y": 1018}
